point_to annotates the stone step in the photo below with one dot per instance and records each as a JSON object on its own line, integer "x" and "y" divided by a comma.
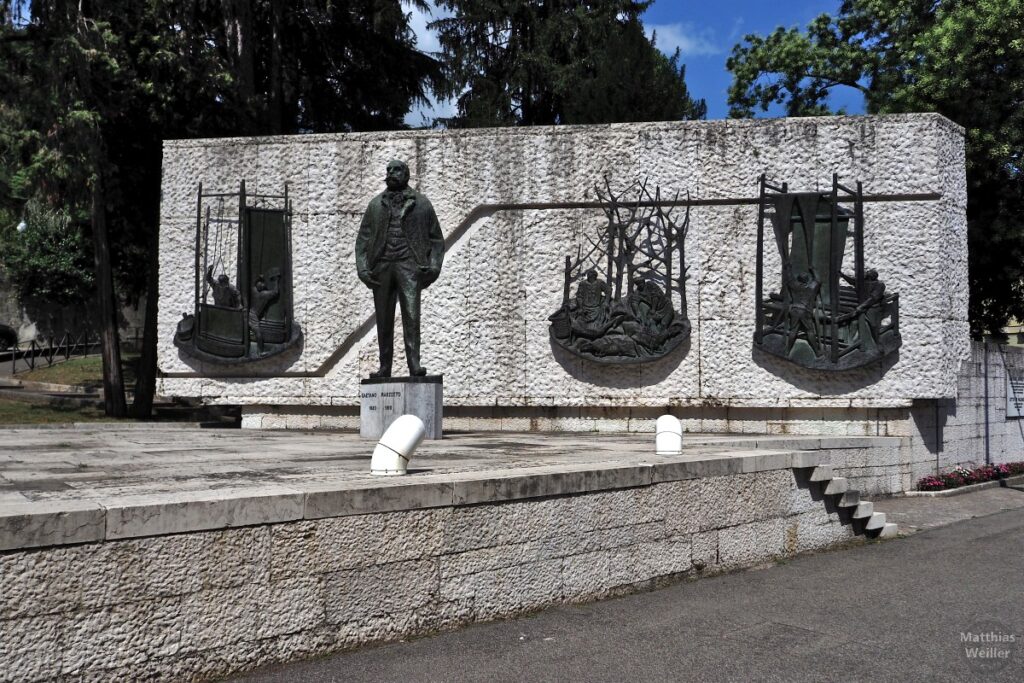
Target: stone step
{"x": 888, "y": 531}
{"x": 807, "y": 459}
{"x": 865, "y": 509}
{"x": 850, "y": 499}
{"x": 876, "y": 522}
{"x": 837, "y": 486}
{"x": 822, "y": 473}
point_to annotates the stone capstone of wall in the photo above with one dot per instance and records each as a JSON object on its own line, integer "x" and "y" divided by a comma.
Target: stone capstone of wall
{"x": 200, "y": 605}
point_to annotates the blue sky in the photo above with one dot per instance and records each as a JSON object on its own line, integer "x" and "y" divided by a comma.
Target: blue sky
{"x": 705, "y": 33}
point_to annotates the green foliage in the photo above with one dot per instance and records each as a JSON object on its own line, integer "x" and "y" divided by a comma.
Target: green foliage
{"x": 315, "y": 66}
{"x": 51, "y": 260}
{"x": 92, "y": 88}
{"x": 961, "y": 58}
{"x": 527, "y": 62}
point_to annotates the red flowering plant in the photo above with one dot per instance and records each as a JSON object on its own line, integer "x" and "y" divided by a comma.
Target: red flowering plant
{"x": 961, "y": 476}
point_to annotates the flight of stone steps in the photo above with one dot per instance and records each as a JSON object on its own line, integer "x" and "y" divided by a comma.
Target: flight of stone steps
{"x": 875, "y": 525}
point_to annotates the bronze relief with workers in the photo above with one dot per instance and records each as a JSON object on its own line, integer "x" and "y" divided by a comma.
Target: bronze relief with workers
{"x": 828, "y": 310}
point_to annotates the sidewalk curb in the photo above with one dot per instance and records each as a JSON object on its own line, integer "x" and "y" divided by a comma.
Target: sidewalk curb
{"x": 1008, "y": 481}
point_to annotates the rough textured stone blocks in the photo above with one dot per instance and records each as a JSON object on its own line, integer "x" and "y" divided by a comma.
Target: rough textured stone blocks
{"x": 215, "y": 603}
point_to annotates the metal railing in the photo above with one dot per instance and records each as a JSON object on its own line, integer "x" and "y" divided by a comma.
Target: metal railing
{"x": 49, "y": 349}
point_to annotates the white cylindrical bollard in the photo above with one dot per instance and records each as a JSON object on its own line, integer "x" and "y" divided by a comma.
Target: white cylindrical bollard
{"x": 395, "y": 448}
{"x": 668, "y": 439}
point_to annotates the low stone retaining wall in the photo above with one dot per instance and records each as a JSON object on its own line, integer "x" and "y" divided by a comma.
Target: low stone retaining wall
{"x": 405, "y": 560}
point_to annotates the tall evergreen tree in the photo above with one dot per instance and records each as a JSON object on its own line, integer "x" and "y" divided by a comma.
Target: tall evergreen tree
{"x": 90, "y": 89}
{"x": 543, "y": 62}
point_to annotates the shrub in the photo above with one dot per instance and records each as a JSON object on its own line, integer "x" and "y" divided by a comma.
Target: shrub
{"x": 51, "y": 260}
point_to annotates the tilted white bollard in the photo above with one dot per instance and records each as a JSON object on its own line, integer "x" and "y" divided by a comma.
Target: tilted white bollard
{"x": 395, "y": 448}
{"x": 668, "y": 439}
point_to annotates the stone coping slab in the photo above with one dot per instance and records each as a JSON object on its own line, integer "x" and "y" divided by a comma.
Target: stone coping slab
{"x": 715, "y": 125}
{"x": 105, "y": 482}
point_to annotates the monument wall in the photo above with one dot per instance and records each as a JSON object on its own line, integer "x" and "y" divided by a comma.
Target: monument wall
{"x": 508, "y": 202}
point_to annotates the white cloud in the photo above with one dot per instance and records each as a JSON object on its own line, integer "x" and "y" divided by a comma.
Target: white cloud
{"x": 691, "y": 41}
{"x": 737, "y": 28}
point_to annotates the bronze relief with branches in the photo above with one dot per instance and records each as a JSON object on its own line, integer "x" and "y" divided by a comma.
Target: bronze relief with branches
{"x": 624, "y": 293}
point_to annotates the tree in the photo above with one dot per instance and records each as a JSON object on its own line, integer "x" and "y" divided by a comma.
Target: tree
{"x": 50, "y": 259}
{"x": 56, "y": 75}
{"x": 317, "y": 65}
{"x": 533, "y": 62}
{"x": 90, "y": 90}
{"x": 961, "y": 58}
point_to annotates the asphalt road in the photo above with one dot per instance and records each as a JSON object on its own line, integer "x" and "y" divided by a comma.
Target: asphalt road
{"x": 886, "y": 611}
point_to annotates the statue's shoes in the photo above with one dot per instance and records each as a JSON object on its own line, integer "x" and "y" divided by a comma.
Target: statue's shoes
{"x": 417, "y": 372}
{"x": 383, "y": 372}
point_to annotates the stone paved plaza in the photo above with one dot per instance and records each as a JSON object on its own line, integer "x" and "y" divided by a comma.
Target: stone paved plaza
{"x": 102, "y": 462}
{"x": 61, "y": 486}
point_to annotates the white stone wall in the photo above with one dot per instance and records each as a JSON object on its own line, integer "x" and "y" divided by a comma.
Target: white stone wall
{"x": 209, "y": 604}
{"x": 960, "y": 425}
{"x": 941, "y": 434}
{"x": 485, "y": 320}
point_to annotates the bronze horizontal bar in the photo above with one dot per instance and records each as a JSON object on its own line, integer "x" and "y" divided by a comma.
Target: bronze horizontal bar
{"x": 489, "y": 209}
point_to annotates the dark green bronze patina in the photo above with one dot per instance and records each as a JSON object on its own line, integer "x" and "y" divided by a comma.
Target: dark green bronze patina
{"x": 630, "y": 300}
{"x": 822, "y": 317}
{"x": 243, "y": 297}
{"x": 399, "y": 252}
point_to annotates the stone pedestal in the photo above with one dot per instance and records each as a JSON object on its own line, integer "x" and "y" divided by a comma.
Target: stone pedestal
{"x": 382, "y": 400}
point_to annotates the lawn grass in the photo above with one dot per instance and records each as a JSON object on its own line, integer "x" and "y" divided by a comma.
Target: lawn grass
{"x": 86, "y": 371}
{"x": 19, "y": 412}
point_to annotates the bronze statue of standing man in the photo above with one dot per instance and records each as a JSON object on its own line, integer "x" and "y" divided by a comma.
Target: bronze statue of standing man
{"x": 399, "y": 251}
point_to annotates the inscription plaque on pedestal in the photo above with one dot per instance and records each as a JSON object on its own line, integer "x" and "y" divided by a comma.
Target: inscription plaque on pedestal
{"x": 383, "y": 399}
